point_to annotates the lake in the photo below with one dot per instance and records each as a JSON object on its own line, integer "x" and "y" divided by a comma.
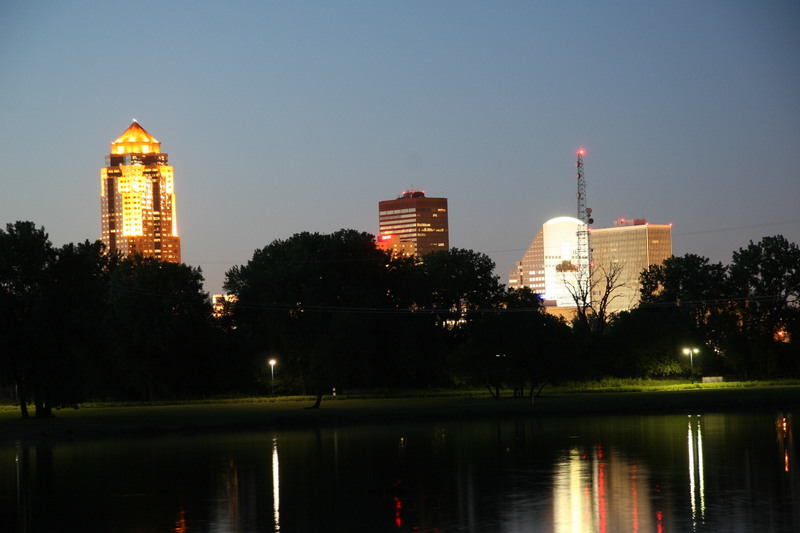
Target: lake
{"x": 664, "y": 473}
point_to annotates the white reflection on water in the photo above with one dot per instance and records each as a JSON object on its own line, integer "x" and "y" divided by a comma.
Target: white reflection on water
{"x": 598, "y": 492}
{"x": 235, "y": 503}
{"x": 276, "y": 492}
{"x": 227, "y": 511}
{"x": 697, "y": 486}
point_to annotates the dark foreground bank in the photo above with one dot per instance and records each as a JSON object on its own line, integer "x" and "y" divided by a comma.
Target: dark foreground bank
{"x": 142, "y": 421}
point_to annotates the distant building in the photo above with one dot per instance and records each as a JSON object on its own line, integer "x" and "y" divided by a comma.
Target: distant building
{"x": 413, "y": 224}
{"x": 137, "y": 198}
{"x": 631, "y": 246}
{"x": 551, "y": 265}
{"x": 221, "y": 304}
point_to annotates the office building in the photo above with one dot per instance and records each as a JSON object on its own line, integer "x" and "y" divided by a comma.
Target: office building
{"x": 629, "y": 247}
{"x": 551, "y": 266}
{"x": 137, "y": 198}
{"x": 413, "y": 224}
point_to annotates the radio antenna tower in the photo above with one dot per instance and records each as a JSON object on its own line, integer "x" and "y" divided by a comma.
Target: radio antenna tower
{"x": 584, "y": 215}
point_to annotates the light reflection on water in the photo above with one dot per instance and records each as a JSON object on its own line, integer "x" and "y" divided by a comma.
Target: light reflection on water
{"x": 697, "y": 491}
{"x": 276, "y": 486}
{"x": 598, "y": 490}
{"x": 660, "y": 474}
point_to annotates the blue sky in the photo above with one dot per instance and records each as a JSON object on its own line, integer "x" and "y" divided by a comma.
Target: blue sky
{"x": 281, "y": 117}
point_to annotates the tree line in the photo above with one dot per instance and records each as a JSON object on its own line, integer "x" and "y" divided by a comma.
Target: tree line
{"x": 335, "y": 312}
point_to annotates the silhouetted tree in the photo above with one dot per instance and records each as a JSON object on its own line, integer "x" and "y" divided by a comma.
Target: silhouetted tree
{"x": 516, "y": 345}
{"x": 766, "y": 281}
{"x": 458, "y": 280}
{"x": 414, "y": 342}
{"x": 315, "y": 300}
{"x": 690, "y": 281}
{"x": 697, "y": 291}
{"x": 647, "y": 342}
{"x": 51, "y": 308}
{"x": 451, "y": 287}
{"x": 740, "y": 312}
{"x": 765, "y": 287}
{"x": 159, "y": 324}
{"x": 26, "y": 254}
{"x": 73, "y": 304}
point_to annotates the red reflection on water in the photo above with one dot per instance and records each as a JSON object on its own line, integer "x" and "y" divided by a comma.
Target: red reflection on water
{"x": 659, "y": 521}
{"x": 398, "y": 506}
{"x": 634, "y": 500}
{"x": 601, "y": 492}
{"x": 180, "y": 524}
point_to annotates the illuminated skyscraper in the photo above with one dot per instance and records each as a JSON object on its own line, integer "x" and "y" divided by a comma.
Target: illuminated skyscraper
{"x": 630, "y": 246}
{"x": 413, "y": 224}
{"x": 551, "y": 265}
{"x": 137, "y": 198}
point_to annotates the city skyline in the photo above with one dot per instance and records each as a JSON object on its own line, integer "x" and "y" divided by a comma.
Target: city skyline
{"x": 284, "y": 118}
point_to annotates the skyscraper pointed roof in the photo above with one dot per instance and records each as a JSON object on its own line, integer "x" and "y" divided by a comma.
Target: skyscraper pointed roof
{"x": 136, "y": 134}
{"x": 135, "y": 140}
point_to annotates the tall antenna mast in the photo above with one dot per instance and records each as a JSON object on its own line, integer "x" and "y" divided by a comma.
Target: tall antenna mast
{"x": 584, "y": 215}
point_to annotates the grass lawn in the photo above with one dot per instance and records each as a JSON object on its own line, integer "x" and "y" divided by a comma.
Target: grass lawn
{"x": 254, "y": 414}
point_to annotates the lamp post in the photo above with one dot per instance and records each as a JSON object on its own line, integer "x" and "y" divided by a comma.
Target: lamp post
{"x": 690, "y": 352}
{"x": 272, "y": 374}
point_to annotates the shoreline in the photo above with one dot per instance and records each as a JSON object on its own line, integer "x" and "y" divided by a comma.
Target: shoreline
{"x": 100, "y": 423}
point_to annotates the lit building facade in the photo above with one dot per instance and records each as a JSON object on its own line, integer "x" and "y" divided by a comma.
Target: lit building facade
{"x": 413, "y": 224}
{"x": 551, "y": 265}
{"x": 137, "y": 198}
{"x": 631, "y": 246}
{"x": 221, "y": 304}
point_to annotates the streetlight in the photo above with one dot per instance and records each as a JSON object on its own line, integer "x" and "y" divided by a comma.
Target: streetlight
{"x": 690, "y": 352}
{"x": 272, "y": 374}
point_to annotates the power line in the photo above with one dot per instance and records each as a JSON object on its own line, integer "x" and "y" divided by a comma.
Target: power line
{"x": 405, "y": 310}
{"x": 509, "y": 250}
{"x": 737, "y": 228}
{"x": 719, "y": 301}
{"x": 682, "y": 234}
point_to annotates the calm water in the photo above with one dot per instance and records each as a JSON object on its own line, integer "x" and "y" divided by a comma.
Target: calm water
{"x": 600, "y": 474}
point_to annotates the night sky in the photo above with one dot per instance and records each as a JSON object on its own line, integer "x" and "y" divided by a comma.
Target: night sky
{"x": 281, "y": 117}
